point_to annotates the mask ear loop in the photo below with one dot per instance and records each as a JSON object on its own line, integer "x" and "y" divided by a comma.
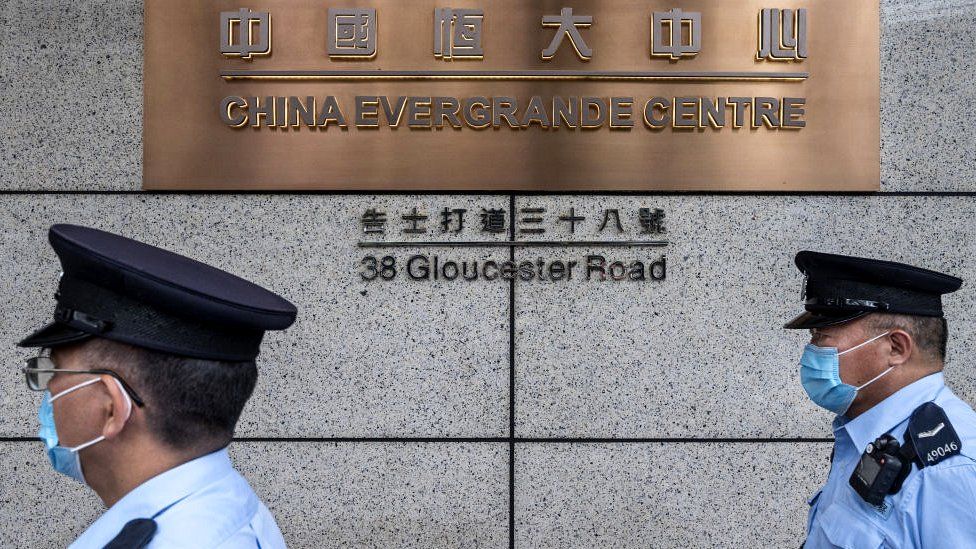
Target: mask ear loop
{"x": 75, "y": 388}
{"x": 875, "y": 338}
{"x": 100, "y": 438}
{"x": 879, "y": 376}
{"x": 128, "y": 400}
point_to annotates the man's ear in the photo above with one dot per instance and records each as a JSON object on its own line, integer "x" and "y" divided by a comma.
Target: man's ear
{"x": 119, "y": 408}
{"x": 902, "y": 347}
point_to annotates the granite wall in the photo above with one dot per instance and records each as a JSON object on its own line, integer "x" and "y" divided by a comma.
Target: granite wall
{"x": 470, "y": 414}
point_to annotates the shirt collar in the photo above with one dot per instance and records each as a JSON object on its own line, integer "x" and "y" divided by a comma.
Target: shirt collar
{"x": 157, "y": 494}
{"x": 891, "y": 411}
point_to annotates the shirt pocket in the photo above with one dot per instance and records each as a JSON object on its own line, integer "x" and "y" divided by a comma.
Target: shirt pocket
{"x": 849, "y": 529}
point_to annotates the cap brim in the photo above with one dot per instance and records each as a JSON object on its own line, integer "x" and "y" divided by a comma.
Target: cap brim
{"x": 54, "y": 334}
{"x": 810, "y": 320}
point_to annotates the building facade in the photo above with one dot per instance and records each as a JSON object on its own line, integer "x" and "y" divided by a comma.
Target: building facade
{"x": 417, "y": 412}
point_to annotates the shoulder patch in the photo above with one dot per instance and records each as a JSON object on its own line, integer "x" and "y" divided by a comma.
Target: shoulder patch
{"x": 932, "y": 434}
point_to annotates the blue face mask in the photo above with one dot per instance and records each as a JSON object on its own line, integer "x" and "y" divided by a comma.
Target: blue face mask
{"x": 66, "y": 460}
{"x": 820, "y": 375}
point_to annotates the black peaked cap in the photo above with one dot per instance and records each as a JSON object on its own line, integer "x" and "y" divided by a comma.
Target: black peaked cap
{"x": 841, "y": 288}
{"x": 124, "y": 290}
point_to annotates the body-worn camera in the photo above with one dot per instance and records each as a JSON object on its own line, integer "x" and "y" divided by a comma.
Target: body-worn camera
{"x": 929, "y": 440}
{"x": 882, "y": 469}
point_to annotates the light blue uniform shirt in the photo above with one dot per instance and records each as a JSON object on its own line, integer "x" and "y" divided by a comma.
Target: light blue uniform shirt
{"x": 203, "y": 503}
{"x": 936, "y": 506}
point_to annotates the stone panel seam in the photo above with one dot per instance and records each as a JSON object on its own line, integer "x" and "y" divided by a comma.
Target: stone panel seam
{"x": 504, "y": 440}
{"x": 461, "y": 192}
{"x": 511, "y": 379}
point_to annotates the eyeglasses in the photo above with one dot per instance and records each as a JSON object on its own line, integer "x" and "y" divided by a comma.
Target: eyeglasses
{"x": 40, "y": 369}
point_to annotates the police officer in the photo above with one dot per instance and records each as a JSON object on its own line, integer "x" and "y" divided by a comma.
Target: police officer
{"x": 145, "y": 370}
{"x": 903, "y": 469}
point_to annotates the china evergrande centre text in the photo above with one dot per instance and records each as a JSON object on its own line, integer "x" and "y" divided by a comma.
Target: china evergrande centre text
{"x": 482, "y": 112}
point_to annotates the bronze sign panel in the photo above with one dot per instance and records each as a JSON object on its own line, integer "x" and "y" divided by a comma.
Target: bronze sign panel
{"x": 707, "y": 95}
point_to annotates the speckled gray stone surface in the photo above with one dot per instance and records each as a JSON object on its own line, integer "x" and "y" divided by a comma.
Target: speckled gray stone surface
{"x": 71, "y": 94}
{"x": 39, "y": 507}
{"x": 703, "y": 353}
{"x": 72, "y": 107}
{"x": 399, "y": 358}
{"x": 382, "y": 495}
{"x": 928, "y": 85}
{"x": 665, "y": 495}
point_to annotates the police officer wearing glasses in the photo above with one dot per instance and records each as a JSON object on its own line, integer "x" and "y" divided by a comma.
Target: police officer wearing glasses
{"x": 145, "y": 371}
{"x": 903, "y": 469}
